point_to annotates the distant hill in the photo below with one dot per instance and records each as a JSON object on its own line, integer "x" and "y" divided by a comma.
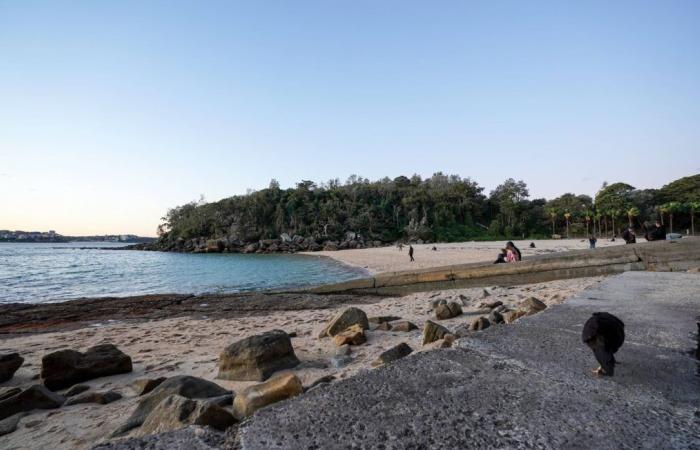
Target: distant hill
{"x": 52, "y": 236}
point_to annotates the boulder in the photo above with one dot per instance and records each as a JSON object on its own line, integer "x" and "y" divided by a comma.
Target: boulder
{"x": 34, "y": 397}
{"x": 480, "y": 323}
{"x": 344, "y": 320}
{"x": 8, "y": 392}
{"x": 403, "y": 325}
{"x": 256, "y": 358}
{"x": 383, "y": 319}
{"x": 512, "y": 316}
{"x": 394, "y": 353}
{"x": 67, "y": 367}
{"x": 143, "y": 386}
{"x": 448, "y": 310}
{"x": 433, "y": 331}
{"x": 354, "y": 335}
{"x": 277, "y": 388}
{"x": 9, "y": 363}
{"x": 445, "y": 342}
{"x": 76, "y": 389}
{"x": 175, "y": 412}
{"x": 9, "y": 424}
{"x": 532, "y": 305}
{"x": 101, "y": 398}
{"x": 182, "y": 385}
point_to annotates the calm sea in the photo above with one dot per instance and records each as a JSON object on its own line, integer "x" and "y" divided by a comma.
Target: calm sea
{"x": 37, "y": 273}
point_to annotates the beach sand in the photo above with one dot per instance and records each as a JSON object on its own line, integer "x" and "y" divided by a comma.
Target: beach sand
{"x": 390, "y": 259}
{"x": 191, "y": 346}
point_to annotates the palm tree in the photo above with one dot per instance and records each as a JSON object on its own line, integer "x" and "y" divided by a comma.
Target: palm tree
{"x": 612, "y": 214}
{"x": 597, "y": 217}
{"x": 588, "y": 222}
{"x": 631, "y": 214}
{"x": 567, "y": 216}
{"x": 671, "y": 208}
{"x": 553, "y": 218}
{"x": 693, "y": 207}
{"x": 662, "y": 210}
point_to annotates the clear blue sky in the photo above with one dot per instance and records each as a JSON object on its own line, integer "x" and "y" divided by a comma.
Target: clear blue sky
{"x": 111, "y": 112}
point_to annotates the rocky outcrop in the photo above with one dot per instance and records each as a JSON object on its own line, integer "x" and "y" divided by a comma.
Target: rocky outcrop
{"x": 182, "y": 385}
{"x": 101, "y": 398}
{"x": 274, "y": 390}
{"x": 394, "y": 353}
{"x": 9, "y": 363}
{"x": 344, "y": 320}
{"x": 67, "y": 367}
{"x": 256, "y": 358}
{"x": 8, "y": 392}
{"x": 433, "y": 331}
{"x": 34, "y": 397}
{"x": 354, "y": 335}
{"x": 176, "y": 411}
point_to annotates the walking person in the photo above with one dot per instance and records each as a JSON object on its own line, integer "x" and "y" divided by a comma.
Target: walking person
{"x": 410, "y": 252}
{"x": 591, "y": 241}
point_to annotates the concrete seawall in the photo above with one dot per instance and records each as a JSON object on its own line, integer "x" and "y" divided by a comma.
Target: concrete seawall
{"x": 664, "y": 256}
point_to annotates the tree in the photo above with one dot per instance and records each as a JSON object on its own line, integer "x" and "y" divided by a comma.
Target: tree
{"x": 631, "y": 214}
{"x": 553, "y": 217}
{"x": 672, "y": 208}
{"x": 567, "y": 216}
{"x": 693, "y": 207}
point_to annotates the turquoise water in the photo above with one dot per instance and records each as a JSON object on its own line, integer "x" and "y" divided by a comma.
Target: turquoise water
{"x": 37, "y": 273}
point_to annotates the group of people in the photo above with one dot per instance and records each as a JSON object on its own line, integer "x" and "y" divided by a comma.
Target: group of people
{"x": 510, "y": 254}
{"x": 658, "y": 233}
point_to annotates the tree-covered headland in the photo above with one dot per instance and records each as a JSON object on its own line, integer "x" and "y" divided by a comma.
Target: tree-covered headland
{"x": 442, "y": 208}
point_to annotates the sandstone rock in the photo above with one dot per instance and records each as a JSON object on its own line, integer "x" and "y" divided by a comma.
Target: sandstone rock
{"x": 384, "y": 326}
{"x": 512, "y": 316}
{"x": 495, "y": 317}
{"x": 354, "y": 335}
{"x": 256, "y": 358}
{"x": 176, "y": 412}
{"x": 9, "y": 424}
{"x": 403, "y": 325}
{"x": 182, "y": 385}
{"x": 394, "y": 353}
{"x": 75, "y": 390}
{"x": 383, "y": 319}
{"x": 8, "y": 392}
{"x": 67, "y": 367}
{"x": 101, "y": 398}
{"x": 432, "y": 332}
{"x": 448, "y": 310}
{"x": 9, "y": 363}
{"x": 34, "y": 397}
{"x": 274, "y": 390}
{"x": 532, "y": 306}
{"x": 143, "y": 386}
{"x": 344, "y": 320}
{"x": 445, "y": 342}
{"x": 480, "y": 323}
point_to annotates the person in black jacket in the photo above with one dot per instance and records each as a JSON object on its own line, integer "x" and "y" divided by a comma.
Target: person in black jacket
{"x": 658, "y": 233}
{"x": 629, "y": 236}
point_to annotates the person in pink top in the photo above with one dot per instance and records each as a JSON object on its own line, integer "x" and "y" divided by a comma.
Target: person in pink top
{"x": 510, "y": 256}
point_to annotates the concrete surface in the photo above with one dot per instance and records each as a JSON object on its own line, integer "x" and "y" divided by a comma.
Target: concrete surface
{"x": 525, "y": 385}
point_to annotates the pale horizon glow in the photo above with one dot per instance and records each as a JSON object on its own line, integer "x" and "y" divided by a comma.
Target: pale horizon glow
{"x": 113, "y": 112}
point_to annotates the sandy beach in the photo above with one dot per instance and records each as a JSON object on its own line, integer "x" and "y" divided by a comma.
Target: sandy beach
{"x": 191, "y": 344}
{"x": 390, "y": 259}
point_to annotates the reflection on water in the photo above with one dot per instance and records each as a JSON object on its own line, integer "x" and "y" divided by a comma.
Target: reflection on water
{"x": 36, "y": 273}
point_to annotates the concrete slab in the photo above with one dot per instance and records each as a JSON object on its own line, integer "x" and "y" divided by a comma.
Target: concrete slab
{"x": 525, "y": 385}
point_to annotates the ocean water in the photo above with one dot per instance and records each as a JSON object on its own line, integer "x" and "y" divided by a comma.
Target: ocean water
{"x": 46, "y": 272}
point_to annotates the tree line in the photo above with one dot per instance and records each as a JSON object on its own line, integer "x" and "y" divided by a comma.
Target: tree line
{"x": 440, "y": 208}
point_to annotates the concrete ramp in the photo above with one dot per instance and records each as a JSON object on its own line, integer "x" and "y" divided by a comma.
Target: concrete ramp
{"x": 525, "y": 385}
{"x": 652, "y": 256}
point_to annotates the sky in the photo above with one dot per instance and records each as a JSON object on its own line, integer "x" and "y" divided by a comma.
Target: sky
{"x": 113, "y": 112}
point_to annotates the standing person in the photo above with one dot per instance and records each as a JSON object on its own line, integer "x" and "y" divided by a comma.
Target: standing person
{"x": 591, "y": 241}
{"x": 629, "y": 236}
{"x": 510, "y": 246}
{"x": 410, "y": 252}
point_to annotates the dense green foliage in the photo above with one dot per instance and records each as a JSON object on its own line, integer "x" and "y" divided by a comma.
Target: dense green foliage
{"x": 440, "y": 208}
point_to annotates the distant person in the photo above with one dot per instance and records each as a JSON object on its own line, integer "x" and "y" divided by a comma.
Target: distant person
{"x": 400, "y": 246}
{"x": 532, "y": 245}
{"x": 613, "y": 239}
{"x": 658, "y": 233}
{"x": 501, "y": 258}
{"x": 511, "y": 256}
{"x": 434, "y": 248}
{"x": 591, "y": 241}
{"x": 410, "y": 252}
{"x": 629, "y": 236}
{"x": 515, "y": 250}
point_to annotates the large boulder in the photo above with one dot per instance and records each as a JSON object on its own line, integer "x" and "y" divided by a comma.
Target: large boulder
{"x": 67, "y": 367}
{"x": 176, "y": 411}
{"x": 448, "y": 310}
{"x": 433, "y": 331}
{"x": 256, "y": 358}
{"x": 9, "y": 363}
{"x": 394, "y": 353}
{"x": 183, "y": 385}
{"x": 274, "y": 390}
{"x": 480, "y": 323}
{"x": 344, "y": 320}
{"x": 34, "y": 397}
